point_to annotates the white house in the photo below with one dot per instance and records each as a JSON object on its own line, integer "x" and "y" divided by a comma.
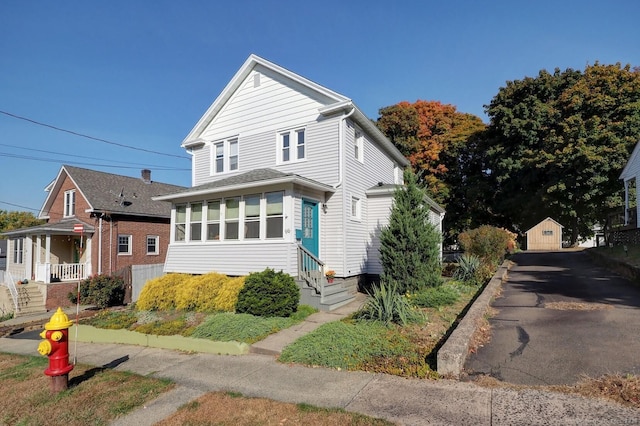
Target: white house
{"x": 286, "y": 174}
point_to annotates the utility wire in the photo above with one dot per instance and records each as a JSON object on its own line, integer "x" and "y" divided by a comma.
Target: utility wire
{"x": 89, "y": 137}
{"x": 89, "y": 158}
{"x": 53, "y": 160}
{"x": 18, "y": 205}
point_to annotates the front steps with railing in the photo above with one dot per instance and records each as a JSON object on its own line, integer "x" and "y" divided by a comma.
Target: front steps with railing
{"x": 335, "y": 296}
{"x": 30, "y": 299}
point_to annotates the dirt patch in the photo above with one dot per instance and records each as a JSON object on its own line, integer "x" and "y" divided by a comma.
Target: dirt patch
{"x": 233, "y": 409}
{"x": 577, "y": 306}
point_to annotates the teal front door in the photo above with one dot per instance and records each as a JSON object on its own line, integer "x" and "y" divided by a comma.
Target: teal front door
{"x": 310, "y": 226}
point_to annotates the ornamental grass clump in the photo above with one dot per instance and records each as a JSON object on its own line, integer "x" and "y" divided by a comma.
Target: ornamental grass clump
{"x": 468, "y": 268}
{"x": 387, "y": 306}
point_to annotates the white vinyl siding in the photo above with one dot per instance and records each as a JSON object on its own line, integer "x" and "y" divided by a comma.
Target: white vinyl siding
{"x": 239, "y": 258}
{"x": 379, "y": 211}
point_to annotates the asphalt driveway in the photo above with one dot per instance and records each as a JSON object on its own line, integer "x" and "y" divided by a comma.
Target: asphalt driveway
{"x": 561, "y": 317}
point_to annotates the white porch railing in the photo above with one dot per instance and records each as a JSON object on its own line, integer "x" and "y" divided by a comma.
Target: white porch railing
{"x": 311, "y": 270}
{"x": 7, "y": 279}
{"x": 46, "y": 272}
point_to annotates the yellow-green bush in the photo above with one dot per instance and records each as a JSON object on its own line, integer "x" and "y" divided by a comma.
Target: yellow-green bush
{"x": 212, "y": 292}
{"x": 228, "y": 294}
{"x": 160, "y": 293}
{"x": 198, "y": 293}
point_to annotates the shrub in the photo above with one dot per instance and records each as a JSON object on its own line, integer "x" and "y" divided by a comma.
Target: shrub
{"x": 100, "y": 290}
{"x": 468, "y": 268}
{"x": 387, "y": 306}
{"x": 435, "y": 296}
{"x": 489, "y": 243}
{"x": 198, "y": 293}
{"x": 268, "y": 294}
{"x": 160, "y": 293}
{"x": 227, "y": 297}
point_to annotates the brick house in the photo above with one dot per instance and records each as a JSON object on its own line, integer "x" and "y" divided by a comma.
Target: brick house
{"x": 121, "y": 226}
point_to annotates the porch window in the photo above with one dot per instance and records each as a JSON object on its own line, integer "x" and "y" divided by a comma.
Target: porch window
{"x": 232, "y": 218}
{"x": 275, "y": 214}
{"x": 291, "y": 146}
{"x": 18, "y": 251}
{"x": 213, "y": 220}
{"x": 225, "y": 156}
{"x": 70, "y": 203}
{"x": 152, "y": 244}
{"x": 124, "y": 244}
{"x": 252, "y": 216}
{"x": 195, "y": 222}
{"x": 181, "y": 222}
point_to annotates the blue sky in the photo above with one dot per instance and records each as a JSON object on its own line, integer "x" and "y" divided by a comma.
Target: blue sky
{"x": 141, "y": 73}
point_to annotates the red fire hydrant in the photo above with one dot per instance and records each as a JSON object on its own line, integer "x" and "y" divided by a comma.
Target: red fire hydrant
{"x": 56, "y": 347}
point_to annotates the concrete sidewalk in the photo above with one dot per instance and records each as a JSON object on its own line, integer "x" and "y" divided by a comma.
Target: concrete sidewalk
{"x": 404, "y": 401}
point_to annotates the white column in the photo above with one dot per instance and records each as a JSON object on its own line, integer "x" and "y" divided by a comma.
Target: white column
{"x": 28, "y": 257}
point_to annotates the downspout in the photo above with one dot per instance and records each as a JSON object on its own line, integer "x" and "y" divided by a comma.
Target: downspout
{"x": 100, "y": 244}
{"x": 110, "y": 243}
{"x": 343, "y": 120}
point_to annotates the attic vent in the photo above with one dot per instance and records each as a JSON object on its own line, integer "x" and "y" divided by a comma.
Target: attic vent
{"x": 256, "y": 79}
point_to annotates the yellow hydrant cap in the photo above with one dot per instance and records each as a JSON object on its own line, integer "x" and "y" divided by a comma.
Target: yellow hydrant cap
{"x": 59, "y": 321}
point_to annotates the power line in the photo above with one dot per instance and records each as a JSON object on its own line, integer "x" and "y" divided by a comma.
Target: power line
{"x": 18, "y": 205}
{"x": 53, "y": 160}
{"x": 82, "y": 156}
{"x": 89, "y": 137}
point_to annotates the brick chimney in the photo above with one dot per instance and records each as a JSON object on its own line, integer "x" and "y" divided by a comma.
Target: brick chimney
{"x": 146, "y": 175}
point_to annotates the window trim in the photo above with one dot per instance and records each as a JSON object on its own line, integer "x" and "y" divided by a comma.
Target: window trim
{"x": 18, "y": 251}
{"x": 293, "y": 147}
{"x": 176, "y": 224}
{"x": 129, "y": 245}
{"x": 156, "y": 243}
{"x": 69, "y": 203}
{"x": 225, "y": 156}
{"x": 357, "y": 204}
{"x": 358, "y": 145}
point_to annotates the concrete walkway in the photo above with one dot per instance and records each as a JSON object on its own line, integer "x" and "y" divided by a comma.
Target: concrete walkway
{"x": 404, "y": 401}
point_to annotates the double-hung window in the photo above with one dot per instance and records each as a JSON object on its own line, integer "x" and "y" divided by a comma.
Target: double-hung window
{"x": 195, "y": 222}
{"x": 231, "y": 218}
{"x": 18, "y": 251}
{"x": 213, "y": 220}
{"x": 275, "y": 214}
{"x": 124, "y": 244}
{"x": 291, "y": 146}
{"x": 181, "y": 222}
{"x": 70, "y": 203}
{"x": 252, "y": 216}
{"x": 152, "y": 244}
{"x": 225, "y": 156}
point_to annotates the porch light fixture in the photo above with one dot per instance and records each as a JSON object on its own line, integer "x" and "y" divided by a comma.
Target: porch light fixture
{"x": 324, "y": 208}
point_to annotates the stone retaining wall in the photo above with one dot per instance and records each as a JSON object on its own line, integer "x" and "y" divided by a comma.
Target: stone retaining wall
{"x": 453, "y": 354}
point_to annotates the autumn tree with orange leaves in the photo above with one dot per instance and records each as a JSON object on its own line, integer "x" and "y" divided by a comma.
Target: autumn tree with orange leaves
{"x": 431, "y": 135}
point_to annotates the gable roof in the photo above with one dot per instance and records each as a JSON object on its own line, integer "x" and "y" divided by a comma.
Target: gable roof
{"x": 544, "y": 220}
{"x": 116, "y": 194}
{"x": 389, "y": 190}
{"x": 251, "y": 179}
{"x": 626, "y": 172}
{"x": 334, "y": 103}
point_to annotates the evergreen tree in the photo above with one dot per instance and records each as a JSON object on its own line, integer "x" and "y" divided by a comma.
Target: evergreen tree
{"x": 409, "y": 245}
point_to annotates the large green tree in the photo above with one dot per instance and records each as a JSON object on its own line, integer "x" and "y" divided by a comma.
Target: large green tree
{"x": 557, "y": 143}
{"x": 410, "y": 244}
{"x": 10, "y": 220}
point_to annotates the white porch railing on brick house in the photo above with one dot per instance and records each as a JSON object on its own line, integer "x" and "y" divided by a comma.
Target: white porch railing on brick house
{"x": 47, "y": 272}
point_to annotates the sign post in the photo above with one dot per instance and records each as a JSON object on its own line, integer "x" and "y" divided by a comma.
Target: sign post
{"x": 78, "y": 227}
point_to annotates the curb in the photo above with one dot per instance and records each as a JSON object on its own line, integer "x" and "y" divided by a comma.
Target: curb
{"x": 453, "y": 354}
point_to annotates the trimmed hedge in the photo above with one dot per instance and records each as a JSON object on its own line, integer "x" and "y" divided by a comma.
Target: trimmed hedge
{"x": 268, "y": 294}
